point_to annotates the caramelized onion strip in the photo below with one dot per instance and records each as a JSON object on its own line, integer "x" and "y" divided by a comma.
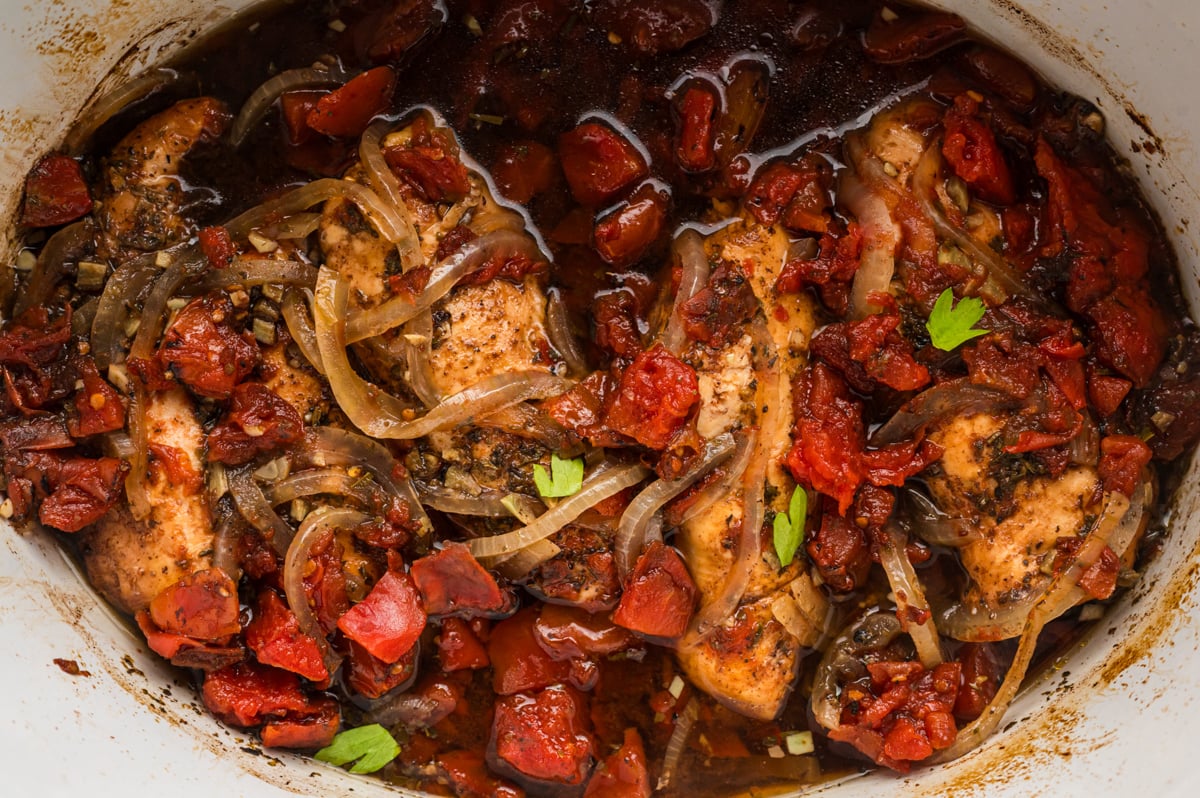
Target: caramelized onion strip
{"x": 910, "y": 598}
{"x": 265, "y": 95}
{"x": 385, "y": 218}
{"x": 688, "y": 247}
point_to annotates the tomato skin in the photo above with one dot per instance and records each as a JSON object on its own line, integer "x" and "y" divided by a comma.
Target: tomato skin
{"x": 543, "y": 736}
{"x": 624, "y": 773}
{"x": 796, "y": 194}
{"x": 202, "y": 605}
{"x": 599, "y": 163}
{"x": 430, "y": 163}
{"x": 452, "y": 582}
{"x": 275, "y": 638}
{"x": 55, "y": 192}
{"x": 314, "y": 730}
{"x": 655, "y": 396}
{"x": 346, "y": 111}
{"x": 257, "y": 421}
{"x": 840, "y": 552}
{"x": 831, "y": 272}
{"x": 660, "y": 596}
{"x": 981, "y": 673}
{"x": 388, "y": 622}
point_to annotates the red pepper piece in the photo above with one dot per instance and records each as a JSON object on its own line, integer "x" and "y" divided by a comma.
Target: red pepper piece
{"x": 388, "y": 622}
{"x": 694, "y": 150}
{"x": 543, "y": 737}
{"x": 452, "y": 582}
{"x": 625, "y": 234}
{"x": 313, "y": 730}
{"x": 623, "y": 774}
{"x": 599, "y": 163}
{"x": 247, "y": 693}
{"x": 519, "y": 663}
{"x": 458, "y": 647}
{"x": 660, "y": 596}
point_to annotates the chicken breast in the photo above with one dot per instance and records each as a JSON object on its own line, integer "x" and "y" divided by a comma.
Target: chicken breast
{"x": 130, "y": 561}
{"x": 1019, "y": 517}
{"x": 140, "y": 206}
{"x": 750, "y": 663}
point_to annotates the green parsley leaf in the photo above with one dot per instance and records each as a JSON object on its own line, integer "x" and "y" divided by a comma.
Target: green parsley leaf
{"x": 372, "y": 746}
{"x": 789, "y": 527}
{"x": 565, "y": 477}
{"x": 950, "y": 325}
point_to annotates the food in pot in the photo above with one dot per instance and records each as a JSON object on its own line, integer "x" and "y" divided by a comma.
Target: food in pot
{"x": 597, "y": 398}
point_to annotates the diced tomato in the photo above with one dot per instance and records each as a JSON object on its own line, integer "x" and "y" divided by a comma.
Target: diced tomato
{"x": 625, "y": 234}
{"x": 660, "y": 596}
{"x": 187, "y": 652}
{"x": 33, "y": 339}
{"x": 217, "y": 246}
{"x": 452, "y": 582}
{"x": 55, "y": 192}
{"x": 203, "y": 605}
{"x": 519, "y": 663}
{"x": 912, "y": 35}
{"x": 655, "y": 396}
{"x": 599, "y": 163}
{"x": 371, "y": 677}
{"x": 1131, "y": 333}
{"x": 1001, "y": 362}
{"x": 402, "y": 26}
{"x": 569, "y": 632}
{"x": 981, "y": 679}
{"x": 886, "y": 355}
{"x": 840, "y": 552}
{"x": 615, "y": 314}
{"x": 295, "y": 107}
{"x": 1099, "y": 580}
{"x": 796, "y": 194}
{"x": 1107, "y": 393}
{"x": 906, "y": 741}
{"x": 830, "y": 272}
{"x": 624, "y": 773}
{"x": 388, "y": 622}
{"x": 581, "y": 409}
{"x": 459, "y": 648}
{"x": 694, "y": 150}
{"x": 429, "y": 161}
{"x": 98, "y": 406}
{"x": 469, "y": 778}
{"x": 275, "y": 638}
{"x": 543, "y": 736}
{"x": 257, "y": 421}
{"x": 716, "y": 313}
{"x": 311, "y": 731}
{"x": 247, "y": 693}
{"x": 74, "y": 491}
{"x": 524, "y": 169}
{"x": 204, "y": 351}
{"x": 347, "y": 110}
{"x": 325, "y": 582}
{"x": 971, "y": 149}
{"x": 1122, "y": 458}
{"x": 662, "y": 27}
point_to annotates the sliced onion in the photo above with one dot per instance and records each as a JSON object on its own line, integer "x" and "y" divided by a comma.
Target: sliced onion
{"x": 909, "y": 597}
{"x": 489, "y": 503}
{"x": 382, "y": 415}
{"x": 957, "y": 397}
{"x": 299, "y": 323}
{"x": 385, "y": 218}
{"x": 881, "y": 235}
{"x": 327, "y": 482}
{"x": 297, "y": 562}
{"x": 295, "y": 227}
{"x": 595, "y": 489}
{"x": 381, "y": 178}
{"x": 418, "y": 354}
{"x": 109, "y": 105}
{"x": 1084, "y": 448}
{"x": 330, "y": 446}
{"x": 270, "y": 91}
{"x": 934, "y": 526}
{"x": 746, "y": 442}
{"x": 188, "y": 264}
{"x": 519, "y": 565}
{"x": 688, "y": 247}
{"x": 135, "y": 480}
{"x": 51, "y": 262}
{"x": 120, "y": 294}
{"x": 1000, "y": 279}
{"x": 562, "y": 337}
{"x": 678, "y": 742}
{"x": 842, "y": 662}
{"x": 250, "y": 272}
{"x": 771, "y": 395}
{"x": 636, "y": 520}
{"x": 225, "y": 548}
{"x": 252, "y": 503}
{"x": 82, "y": 318}
{"x": 1119, "y": 515}
{"x": 470, "y": 257}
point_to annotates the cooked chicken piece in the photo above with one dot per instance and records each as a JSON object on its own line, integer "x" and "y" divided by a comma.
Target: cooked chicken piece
{"x": 488, "y": 329}
{"x": 1018, "y": 516}
{"x": 142, "y": 194}
{"x": 750, "y": 669}
{"x": 295, "y": 382}
{"x": 131, "y": 561}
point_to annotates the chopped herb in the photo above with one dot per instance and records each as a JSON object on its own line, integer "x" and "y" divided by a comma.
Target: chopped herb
{"x": 789, "y": 527}
{"x": 565, "y": 477}
{"x": 369, "y": 747}
{"x": 952, "y": 325}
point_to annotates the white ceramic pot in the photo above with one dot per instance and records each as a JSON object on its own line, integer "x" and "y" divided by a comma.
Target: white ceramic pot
{"x": 1121, "y": 713}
